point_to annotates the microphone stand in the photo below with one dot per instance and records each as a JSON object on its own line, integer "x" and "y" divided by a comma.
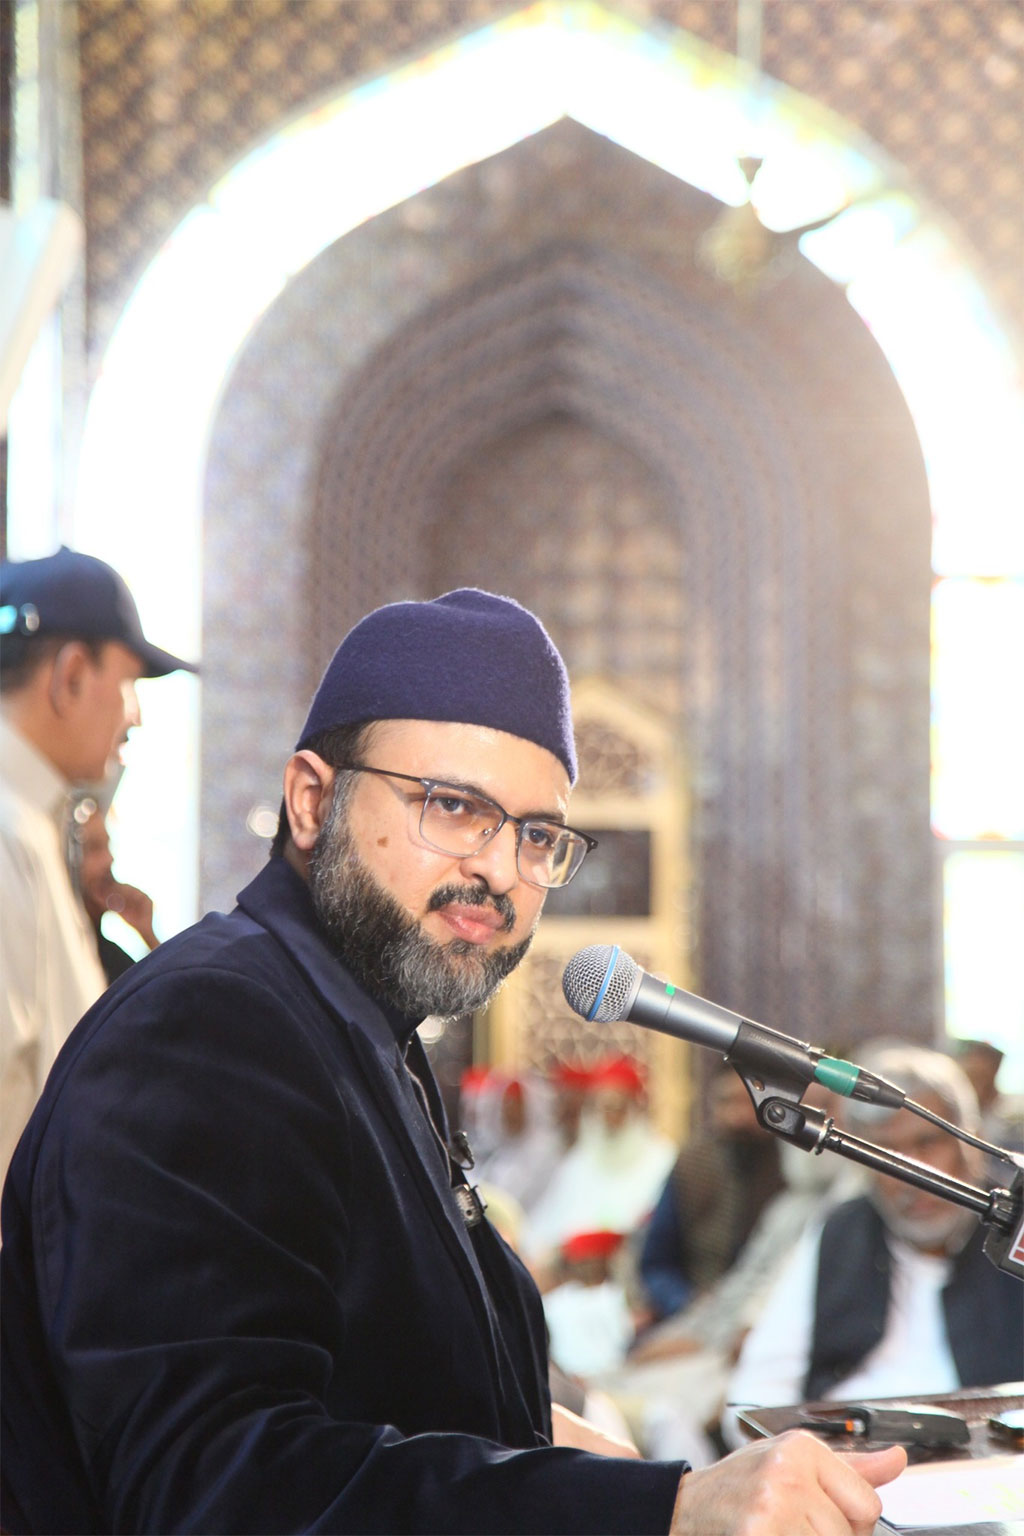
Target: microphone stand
{"x": 776, "y": 1071}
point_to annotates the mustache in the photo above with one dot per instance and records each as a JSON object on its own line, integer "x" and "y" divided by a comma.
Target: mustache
{"x": 474, "y": 896}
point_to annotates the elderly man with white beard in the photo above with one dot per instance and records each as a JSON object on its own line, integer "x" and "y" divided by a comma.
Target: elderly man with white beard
{"x": 891, "y": 1296}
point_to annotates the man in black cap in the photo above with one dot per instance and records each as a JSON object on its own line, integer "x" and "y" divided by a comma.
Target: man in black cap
{"x": 248, "y": 1286}
{"x": 71, "y": 648}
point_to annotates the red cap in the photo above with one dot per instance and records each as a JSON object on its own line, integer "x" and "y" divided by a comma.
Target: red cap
{"x": 621, "y": 1072}
{"x": 568, "y": 1075}
{"x": 590, "y": 1245}
{"x": 473, "y": 1079}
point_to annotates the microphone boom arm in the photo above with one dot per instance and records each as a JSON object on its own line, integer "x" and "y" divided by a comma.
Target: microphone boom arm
{"x": 776, "y": 1071}
{"x": 602, "y": 983}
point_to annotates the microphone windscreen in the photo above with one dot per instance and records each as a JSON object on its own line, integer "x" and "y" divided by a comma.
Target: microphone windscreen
{"x": 600, "y": 971}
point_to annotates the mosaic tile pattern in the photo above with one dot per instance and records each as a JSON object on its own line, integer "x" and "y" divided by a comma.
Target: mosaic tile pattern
{"x": 174, "y": 91}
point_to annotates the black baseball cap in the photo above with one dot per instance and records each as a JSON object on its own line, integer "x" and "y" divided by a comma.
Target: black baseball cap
{"x": 77, "y": 595}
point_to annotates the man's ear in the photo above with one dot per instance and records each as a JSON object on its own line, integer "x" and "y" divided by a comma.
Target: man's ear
{"x": 308, "y": 787}
{"x": 67, "y": 676}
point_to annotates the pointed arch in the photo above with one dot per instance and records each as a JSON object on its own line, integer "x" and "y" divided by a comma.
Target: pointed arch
{"x": 662, "y": 94}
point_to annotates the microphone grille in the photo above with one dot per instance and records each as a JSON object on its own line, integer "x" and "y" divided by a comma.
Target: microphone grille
{"x": 596, "y": 967}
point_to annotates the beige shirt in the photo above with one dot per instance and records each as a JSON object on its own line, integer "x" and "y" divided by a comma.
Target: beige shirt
{"x": 49, "y": 966}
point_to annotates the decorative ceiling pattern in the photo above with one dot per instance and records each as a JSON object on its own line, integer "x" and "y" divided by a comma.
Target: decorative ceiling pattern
{"x": 173, "y": 92}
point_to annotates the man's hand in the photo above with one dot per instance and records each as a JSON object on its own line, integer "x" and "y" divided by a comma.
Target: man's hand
{"x": 136, "y": 908}
{"x": 790, "y": 1485}
{"x": 569, "y": 1429}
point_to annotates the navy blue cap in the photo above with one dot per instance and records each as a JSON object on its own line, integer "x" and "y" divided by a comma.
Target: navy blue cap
{"x": 469, "y": 656}
{"x": 77, "y": 595}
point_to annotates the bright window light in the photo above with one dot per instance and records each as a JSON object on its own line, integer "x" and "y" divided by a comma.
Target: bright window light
{"x": 977, "y": 719}
{"x": 983, "y": 899}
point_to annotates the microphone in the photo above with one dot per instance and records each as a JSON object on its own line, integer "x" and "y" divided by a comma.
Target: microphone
{"x": 603, "y": 984}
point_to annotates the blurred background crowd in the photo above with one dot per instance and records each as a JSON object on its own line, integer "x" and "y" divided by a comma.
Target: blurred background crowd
{"x": 678, "y": 1280}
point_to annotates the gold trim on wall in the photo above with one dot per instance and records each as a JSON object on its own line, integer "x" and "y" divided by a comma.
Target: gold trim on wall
{"x": 632, "y": 776}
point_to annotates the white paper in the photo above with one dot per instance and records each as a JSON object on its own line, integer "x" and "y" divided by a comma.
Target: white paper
{"x": 956, "y": 1492}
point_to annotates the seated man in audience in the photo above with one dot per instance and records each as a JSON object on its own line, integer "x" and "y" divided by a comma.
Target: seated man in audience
{"x": 610, "y": 1178}
{"x": 716, "y": 1190}
{"x": 527, "y": 1145}
{"x": 1002, "y": 1114}
{"x": 892, "y": 1295}
{"x": 570, "y": 1084}
{"x": 589, "y": 1322}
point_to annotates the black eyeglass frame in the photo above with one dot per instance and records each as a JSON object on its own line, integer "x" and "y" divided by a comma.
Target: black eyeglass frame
{"x": 519, "y": 822}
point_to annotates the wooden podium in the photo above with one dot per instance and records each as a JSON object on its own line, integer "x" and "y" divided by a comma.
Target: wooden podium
{"x": 976, "y": 1406}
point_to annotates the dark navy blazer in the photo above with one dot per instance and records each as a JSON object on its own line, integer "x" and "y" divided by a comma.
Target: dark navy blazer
{"x": 239, "y": 1292}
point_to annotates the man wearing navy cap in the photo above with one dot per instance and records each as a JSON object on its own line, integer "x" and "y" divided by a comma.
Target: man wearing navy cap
{"x": 71, "y": 647}
{"x": 248, "y": 1286}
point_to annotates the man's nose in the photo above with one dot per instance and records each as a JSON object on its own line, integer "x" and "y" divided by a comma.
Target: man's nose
{"x": 131, "y": 706}
{"x": 496, "y": 862}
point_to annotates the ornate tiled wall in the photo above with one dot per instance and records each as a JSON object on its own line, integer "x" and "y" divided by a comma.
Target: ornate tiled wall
{"x": 174, "y": 91}
{"x": 719, "y": 505}
{"x": 524, "y": 380}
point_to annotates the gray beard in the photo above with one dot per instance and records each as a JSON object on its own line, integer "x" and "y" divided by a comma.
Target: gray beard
{"x": 948, "y": 1229}
{"x": 386, "y": 950}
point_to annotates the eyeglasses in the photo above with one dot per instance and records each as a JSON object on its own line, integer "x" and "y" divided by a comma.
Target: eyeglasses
{"x": 460, "y": 822}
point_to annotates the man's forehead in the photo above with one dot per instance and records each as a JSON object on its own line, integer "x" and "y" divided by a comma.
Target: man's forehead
{"x": 116, "y": 657}
{"x": 471, "y": 754}
{"x": 456, "y": 735}
{"x": 903, "y": 1130}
